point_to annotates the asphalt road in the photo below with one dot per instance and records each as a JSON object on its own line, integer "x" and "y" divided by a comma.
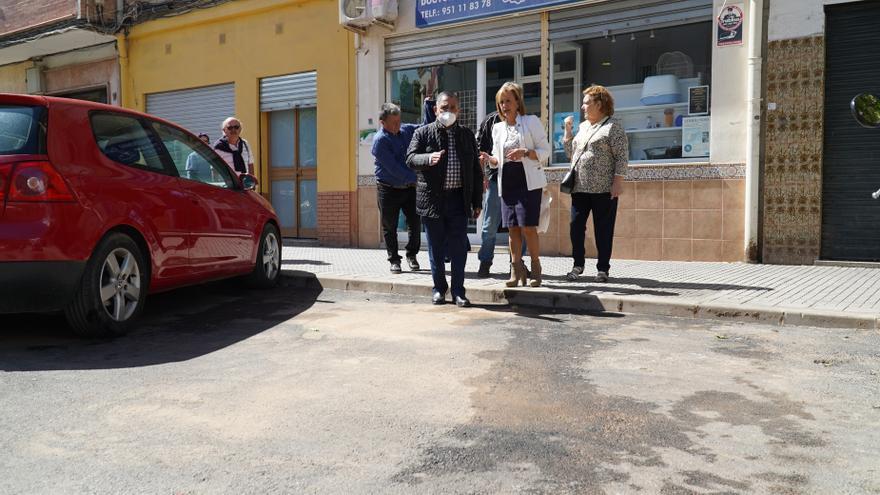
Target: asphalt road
{"x": 224, "y": 390}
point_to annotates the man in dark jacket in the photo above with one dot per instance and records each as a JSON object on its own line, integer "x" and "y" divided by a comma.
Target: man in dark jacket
{"x": 449, "y": 191}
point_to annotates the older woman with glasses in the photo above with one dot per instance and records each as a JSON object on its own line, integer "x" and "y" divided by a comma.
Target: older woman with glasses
{"x": 599, "y": 157}
{"x": 233, "y": 148}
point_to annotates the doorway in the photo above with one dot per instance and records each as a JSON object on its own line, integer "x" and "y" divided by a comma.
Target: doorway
{"x": 293, "y": 170}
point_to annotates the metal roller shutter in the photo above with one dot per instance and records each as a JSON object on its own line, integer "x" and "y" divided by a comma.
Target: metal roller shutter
{"x": 851, "y": 157}
{"x": 198, "y": 109}
{"x": 504, "y": 37}
{"x": 290, "y": 91}
{"x": 625, "y": 16}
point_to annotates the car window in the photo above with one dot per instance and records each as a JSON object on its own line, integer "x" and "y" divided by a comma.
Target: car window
{"x": 123, "y": 139}
{"x": 22, "y": 130}
{"x": 193, "y": 159}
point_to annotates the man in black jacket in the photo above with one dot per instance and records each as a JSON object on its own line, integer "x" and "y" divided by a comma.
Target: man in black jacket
{"x": 449, "y": 191}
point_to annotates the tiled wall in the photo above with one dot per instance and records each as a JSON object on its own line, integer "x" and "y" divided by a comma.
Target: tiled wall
{"x": 686, "y": 220}
{"x": 792, "y": 179}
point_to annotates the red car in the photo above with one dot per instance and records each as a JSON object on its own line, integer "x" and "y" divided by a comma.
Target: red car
{"x": 100, "y": 206}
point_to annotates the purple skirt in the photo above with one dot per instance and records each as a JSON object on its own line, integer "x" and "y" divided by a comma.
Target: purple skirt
{"x": 519, "y": 206}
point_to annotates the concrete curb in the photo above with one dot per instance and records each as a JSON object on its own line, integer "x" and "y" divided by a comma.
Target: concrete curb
{"x": 567, "y": 300}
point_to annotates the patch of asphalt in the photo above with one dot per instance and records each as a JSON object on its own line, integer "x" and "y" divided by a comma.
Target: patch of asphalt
{"x": 537, "y": 412}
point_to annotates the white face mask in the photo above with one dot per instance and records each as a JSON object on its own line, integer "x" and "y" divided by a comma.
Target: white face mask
{"x": 446, "y": 119}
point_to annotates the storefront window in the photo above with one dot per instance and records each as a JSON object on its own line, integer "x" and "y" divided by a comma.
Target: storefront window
{"x": 409, "y": 87}
{"x": 652, "y": 109}
{"x": 498, "y": 71}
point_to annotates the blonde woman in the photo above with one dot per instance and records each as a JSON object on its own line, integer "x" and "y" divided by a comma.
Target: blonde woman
{"x": 519, "y": 150}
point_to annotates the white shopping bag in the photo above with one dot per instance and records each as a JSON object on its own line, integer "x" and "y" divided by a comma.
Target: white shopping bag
{"x": 544, "y": 220}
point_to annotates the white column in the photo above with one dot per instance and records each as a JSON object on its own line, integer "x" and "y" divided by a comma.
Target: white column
{"x": 753, "y": 129}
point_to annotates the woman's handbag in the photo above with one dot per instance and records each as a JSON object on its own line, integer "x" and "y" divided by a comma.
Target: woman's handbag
{"x": 570, "y": 179}
{"x": 567, "y": 184}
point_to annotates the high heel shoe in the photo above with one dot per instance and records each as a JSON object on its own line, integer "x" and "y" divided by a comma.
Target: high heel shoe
{"x": 517, "y": 274}
{"x": 536, "y": 274}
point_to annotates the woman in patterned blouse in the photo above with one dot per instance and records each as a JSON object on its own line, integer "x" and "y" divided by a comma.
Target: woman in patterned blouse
{"x": 599, "y": 154}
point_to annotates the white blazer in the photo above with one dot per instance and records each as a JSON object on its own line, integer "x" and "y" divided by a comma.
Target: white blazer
{"x": 534, "y": 138}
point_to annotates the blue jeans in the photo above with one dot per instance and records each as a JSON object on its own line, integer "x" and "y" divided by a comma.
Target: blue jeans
{"x": 448, "y": 232}
{"x": 491, "y": 221}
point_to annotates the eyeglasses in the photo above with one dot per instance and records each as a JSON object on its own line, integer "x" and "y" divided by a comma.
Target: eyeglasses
{"x": 233, "y": 127}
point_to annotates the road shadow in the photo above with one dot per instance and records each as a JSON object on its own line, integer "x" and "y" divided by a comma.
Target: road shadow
{"x": 305, "y": 262}
{"x": 647, "y": 286}
{"x": 176, "y": 326}
{"x": 611, "y": 289}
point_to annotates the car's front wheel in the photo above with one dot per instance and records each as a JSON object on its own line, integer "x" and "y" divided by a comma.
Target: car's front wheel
{"x": 267, "y": 271}
{"x": 112, "y": 291}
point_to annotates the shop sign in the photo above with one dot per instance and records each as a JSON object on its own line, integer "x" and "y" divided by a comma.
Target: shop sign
{"x": 434, "y": 12}
{"x": 730, "y": 25}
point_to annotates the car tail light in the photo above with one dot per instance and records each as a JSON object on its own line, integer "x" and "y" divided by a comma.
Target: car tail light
{"x": 37, "y": 181}
{"x": 5, "y": 173}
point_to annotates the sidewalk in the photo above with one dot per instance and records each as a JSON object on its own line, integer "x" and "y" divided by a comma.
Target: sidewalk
{"x": 823, "y": 296}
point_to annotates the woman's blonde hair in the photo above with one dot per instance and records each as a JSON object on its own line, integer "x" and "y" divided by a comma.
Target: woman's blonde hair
{"x": 517, "y": 91}
{"x": 603, "y": 96}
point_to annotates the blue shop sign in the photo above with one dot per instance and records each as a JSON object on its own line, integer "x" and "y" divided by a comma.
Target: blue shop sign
{"x": 434, "y": 12}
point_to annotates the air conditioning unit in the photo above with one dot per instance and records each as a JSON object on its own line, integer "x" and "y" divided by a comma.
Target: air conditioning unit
{"x": 355, "y": 13}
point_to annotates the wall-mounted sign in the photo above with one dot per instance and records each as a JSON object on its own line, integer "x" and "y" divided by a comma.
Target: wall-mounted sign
{"x": 729, "y": 25}
{"x": 698, "y": 100}
{"x": 434, "y": 12}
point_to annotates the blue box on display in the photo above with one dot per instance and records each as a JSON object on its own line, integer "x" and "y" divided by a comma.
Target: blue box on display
{"x": 435, "y": 12}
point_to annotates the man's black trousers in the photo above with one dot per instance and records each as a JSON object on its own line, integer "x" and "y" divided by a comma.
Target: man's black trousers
{"x": 391, "y": 202}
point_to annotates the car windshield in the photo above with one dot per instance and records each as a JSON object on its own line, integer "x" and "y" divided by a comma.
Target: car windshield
{"x": 22, "y": 130}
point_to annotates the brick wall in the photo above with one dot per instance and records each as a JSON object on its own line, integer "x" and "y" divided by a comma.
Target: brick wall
{"x": 337, "y": 225}
{"x": 16, "y": 15}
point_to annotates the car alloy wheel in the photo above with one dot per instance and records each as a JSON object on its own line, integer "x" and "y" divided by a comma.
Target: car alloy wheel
{"x": 267, "y": 269}
{"x": 120, "y": 284}
{"x": 271, "y": 256}
{"x": 113, "y": 288}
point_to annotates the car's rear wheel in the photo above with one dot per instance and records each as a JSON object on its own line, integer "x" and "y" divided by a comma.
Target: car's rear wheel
{"x": 267, "y": 271}
{"x": 112, "y": 291}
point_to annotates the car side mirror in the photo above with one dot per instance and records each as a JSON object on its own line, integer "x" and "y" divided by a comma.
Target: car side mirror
{"x": 249, "y": 182}
{"x": 865, "y": 108}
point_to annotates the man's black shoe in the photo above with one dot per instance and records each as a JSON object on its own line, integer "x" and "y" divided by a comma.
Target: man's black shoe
{"x": 438, "y": 298}
{"x": 413, "y": 264}
{"x": 395, "y": 267}
{"x": 483, "y": 272}
{"x": 462, "y": 302}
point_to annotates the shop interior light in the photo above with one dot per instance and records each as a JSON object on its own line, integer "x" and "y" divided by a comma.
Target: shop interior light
{"x": 632, "y": 36}
{"x": 613, "y": 38}
{"x": 606, "y": 64}
{"x": 652, "y": 34}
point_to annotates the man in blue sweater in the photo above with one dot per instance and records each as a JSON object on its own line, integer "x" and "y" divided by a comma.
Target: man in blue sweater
{"x": 396, "y": 184}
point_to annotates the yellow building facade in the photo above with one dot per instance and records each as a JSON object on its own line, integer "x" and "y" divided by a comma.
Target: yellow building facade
{"x": 285, "y": 69}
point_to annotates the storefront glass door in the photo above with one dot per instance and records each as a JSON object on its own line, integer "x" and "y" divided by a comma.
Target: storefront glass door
{"x": 293, "y": 170}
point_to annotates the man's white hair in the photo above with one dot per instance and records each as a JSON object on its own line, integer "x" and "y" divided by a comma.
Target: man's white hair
{"x": 227, "y": 121}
